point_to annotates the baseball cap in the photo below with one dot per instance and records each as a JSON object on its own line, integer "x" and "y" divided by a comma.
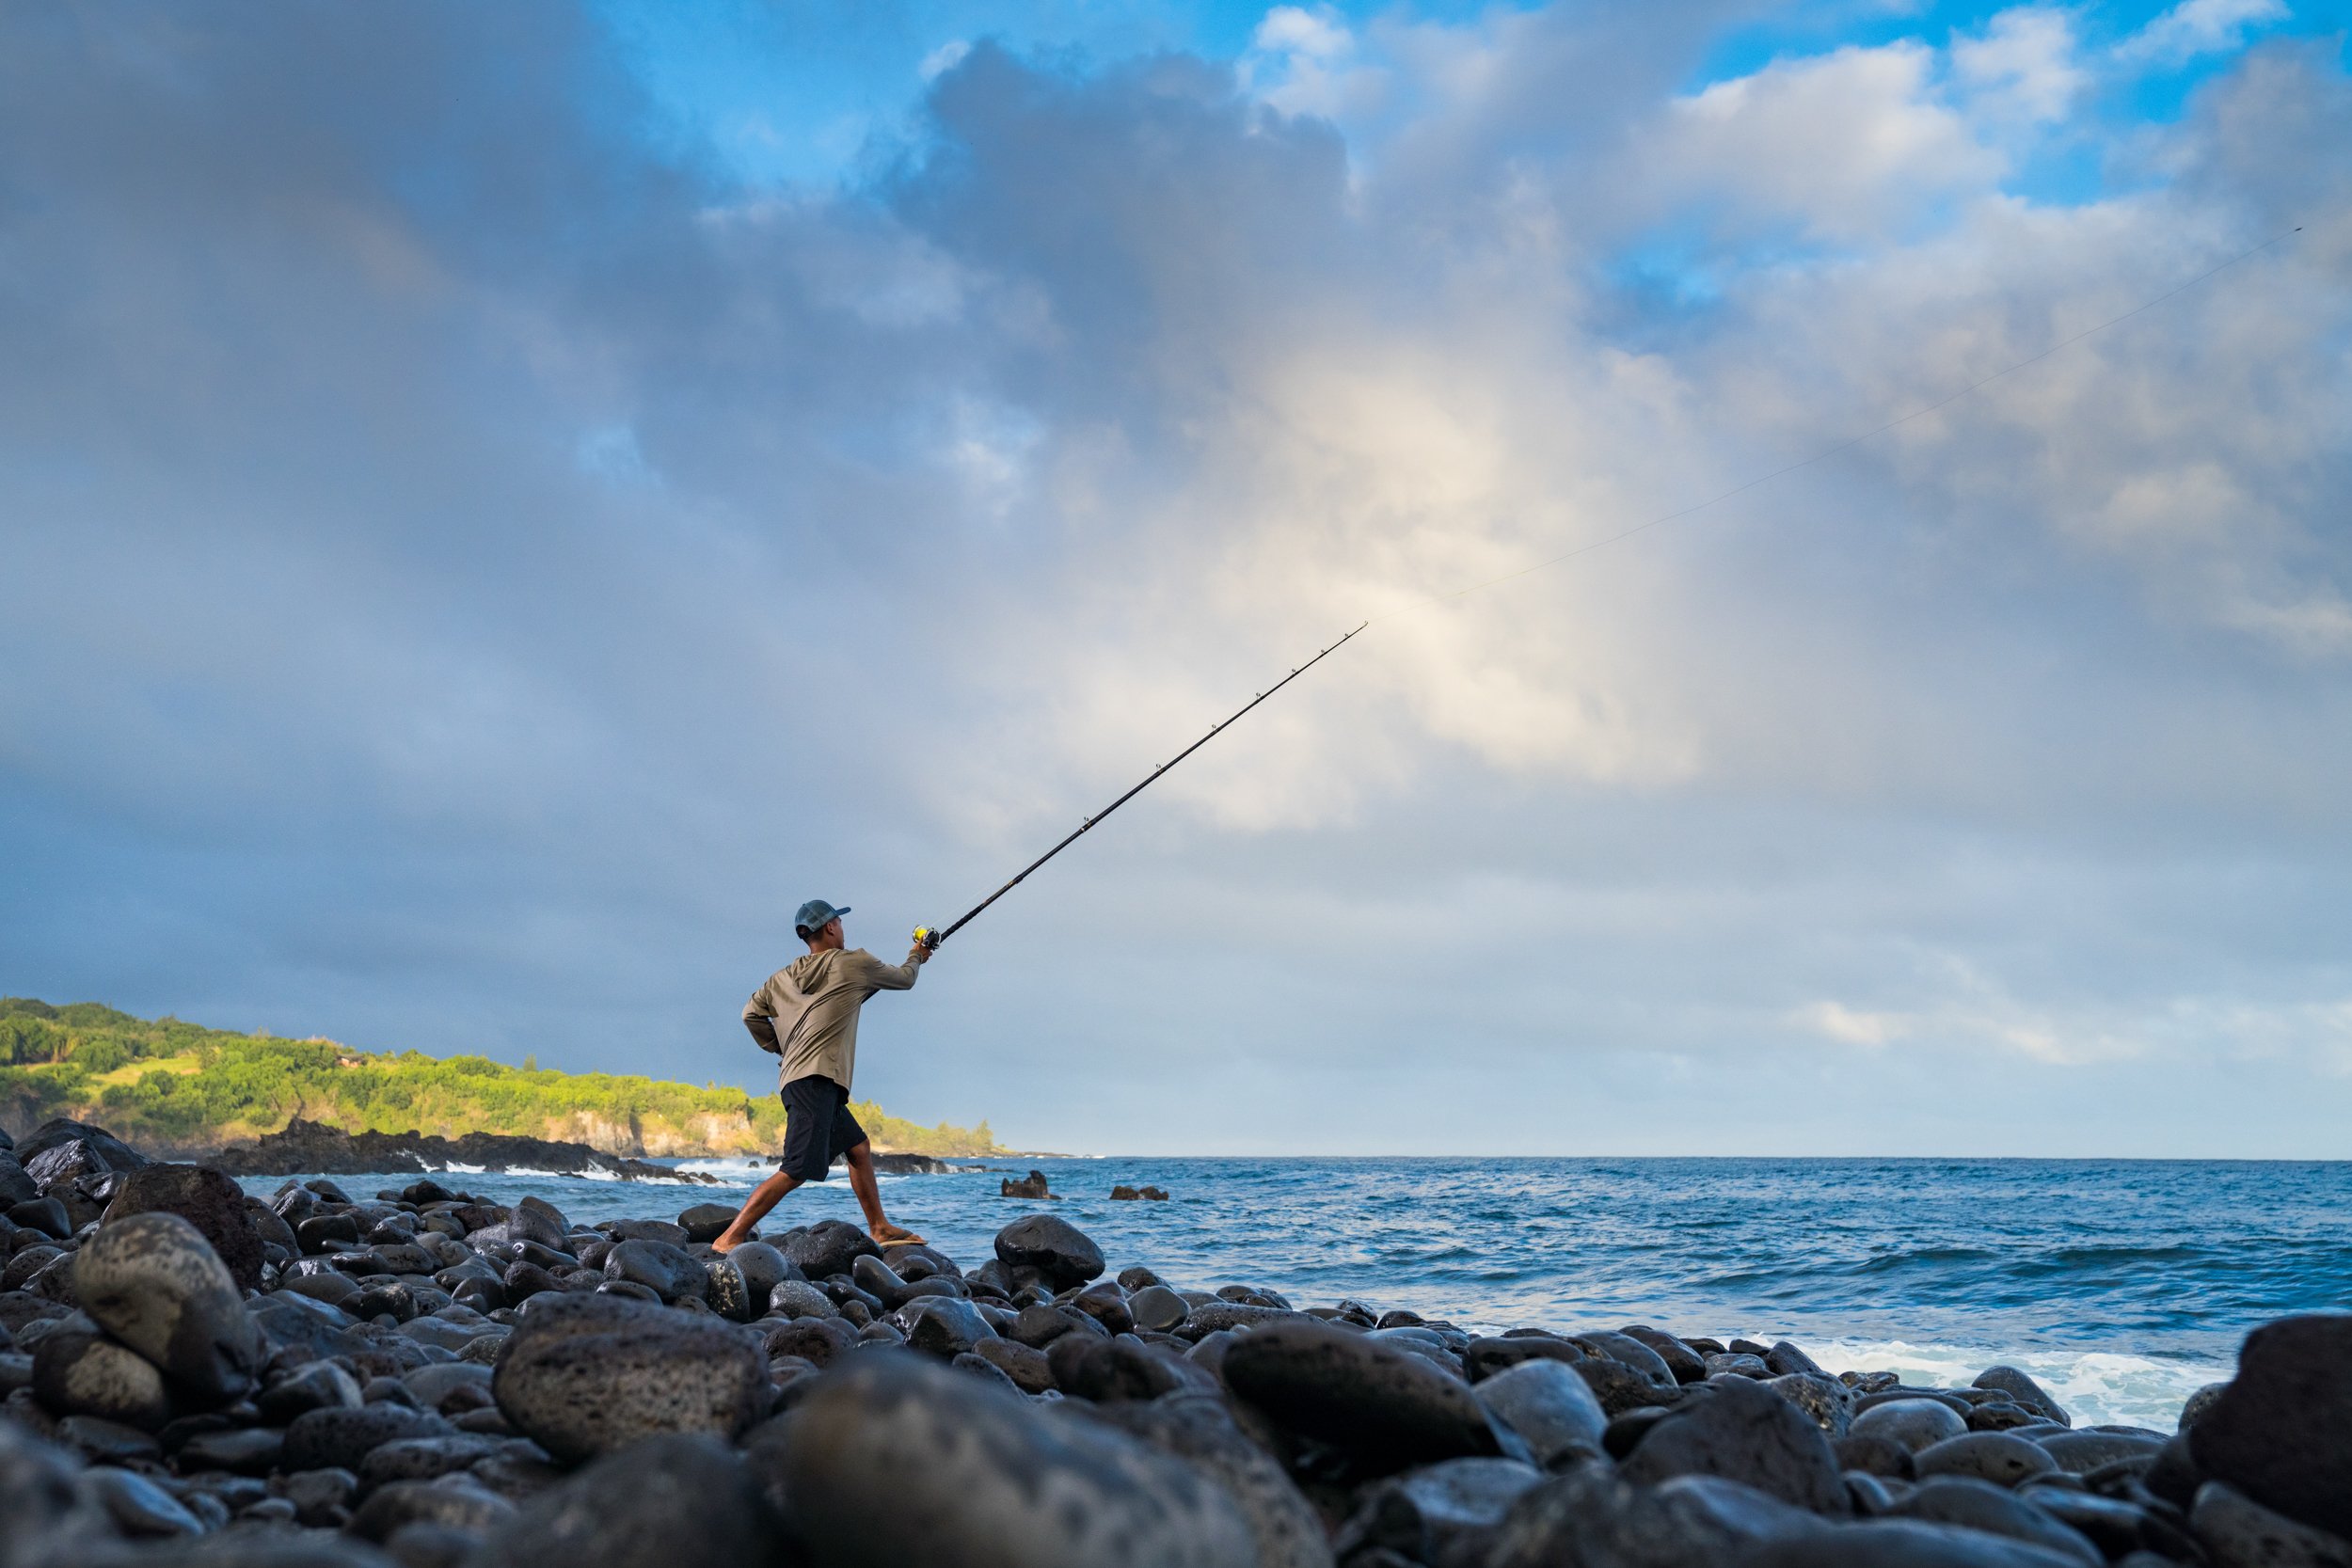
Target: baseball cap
{"x": 815, "y": 915}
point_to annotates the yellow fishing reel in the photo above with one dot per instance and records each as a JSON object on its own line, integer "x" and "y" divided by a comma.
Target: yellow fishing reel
{"x": 928, "y": 938}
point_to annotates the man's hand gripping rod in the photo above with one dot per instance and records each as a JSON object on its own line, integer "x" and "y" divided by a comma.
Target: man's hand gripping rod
{"x": 930, "y": 938}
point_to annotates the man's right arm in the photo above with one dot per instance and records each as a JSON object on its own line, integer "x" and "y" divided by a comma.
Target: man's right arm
{"x": 759, "y": 1018}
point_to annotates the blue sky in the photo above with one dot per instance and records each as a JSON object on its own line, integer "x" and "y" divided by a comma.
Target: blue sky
{"x": 503, "y": 503}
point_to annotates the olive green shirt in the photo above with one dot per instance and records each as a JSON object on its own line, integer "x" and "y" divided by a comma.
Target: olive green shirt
{"x": 815, "y": 999}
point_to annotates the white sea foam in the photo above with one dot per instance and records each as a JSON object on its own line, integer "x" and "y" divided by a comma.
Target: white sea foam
{"x": 2096, "y": 1387}
{"x": 461, "y": 1168}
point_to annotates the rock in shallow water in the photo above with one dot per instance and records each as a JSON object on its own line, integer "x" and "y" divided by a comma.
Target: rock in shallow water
{"x": 1387, "y": 1408}
{"x": 895, "y": 1459}
{"x": 153, "y": 1282}
{"x": 587, "y": 1375}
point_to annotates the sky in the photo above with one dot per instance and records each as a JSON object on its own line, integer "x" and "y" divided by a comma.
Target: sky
{"x": 499, "y": 504}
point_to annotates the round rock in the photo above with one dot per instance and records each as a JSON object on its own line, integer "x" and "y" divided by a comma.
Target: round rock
{"x": 1994, "y": 1456}
{"x": 153, "y": 1282}
{"x": 587, "y": 1374}
{"x": 1745, "y": 1433}
{"x": 1053, "y": 1246}
{"x": 1385, "y": 1407}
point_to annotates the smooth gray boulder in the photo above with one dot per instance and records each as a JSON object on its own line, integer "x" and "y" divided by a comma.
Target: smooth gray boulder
{"x": 1743, "y": 1432}
{"x": 1549, "y": 1405}
{"x": 671, "y": 1273}
{"x": 1983, "y": 1506}
{"x": 1387, "y": 1408}
{"x": 1916, "y": 1424}
{"x": 895, "y": 1459}
{"x": 1996, "y": 1456}
{"x": 153, "y": 1282}
{"x": 2025, "y": 1390}
{"x": 586, "y": 1374}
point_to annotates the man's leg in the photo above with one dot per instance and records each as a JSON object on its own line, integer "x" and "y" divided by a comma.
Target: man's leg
{"x": 764, "y": 1198}
{"x": 860, "y": 1156}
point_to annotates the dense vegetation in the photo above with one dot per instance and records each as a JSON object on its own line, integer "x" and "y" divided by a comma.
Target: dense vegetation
{"x": 181, "y": 1085}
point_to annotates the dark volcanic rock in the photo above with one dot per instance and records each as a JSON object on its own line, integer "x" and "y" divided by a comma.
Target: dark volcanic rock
{"x": 1620, "y": 1387}
{"x": 2281, "y": 1431}
{"x": 1915, "y": 1424}
{"x": 1983, "y": 1506}
{"x": 2241, "y": 1533}
{"x": 154, "y": 1283}
{"x": 1388, "y": 1408}
{"x": 1994, "y": 1456}
{"x": 1904, "y": 1543}
{"x": 1202, "y": 1431}
{"x": 670, "y": 1273}
{"x": 1445, "y": 1515}
{"x": 2025, "y": 1390}
{"x": 342, "y": 1438}
{"x": 944, "y": 1326}
{"x": 1687, "y": 1364}
{"x": 1744, "y": 1432}
{"x": 896, "y": 1460}
{"x": 309, "y": 1146}
{"x": 827, "y": 1248}
{"x": 61, "y": 1150}
{"x": 1482, "y": 1358}
{"x": 705, "y": 1222}
{"x": 672, "y": 1499}
{"x": 206, "y": 1199}
{"x": 86, "y": 1373}
{"x": 587, "y": 1374}
{"x": 1053, "y": 1246}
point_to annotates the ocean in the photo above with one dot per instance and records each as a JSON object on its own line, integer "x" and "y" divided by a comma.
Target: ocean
{"x": 2122, "y": 1285}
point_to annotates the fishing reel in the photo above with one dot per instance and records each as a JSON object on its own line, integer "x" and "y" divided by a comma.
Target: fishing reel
{"x": 928, "y": 938}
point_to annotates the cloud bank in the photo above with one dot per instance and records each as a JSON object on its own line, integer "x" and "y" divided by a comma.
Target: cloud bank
{"x": 481, "y": 560}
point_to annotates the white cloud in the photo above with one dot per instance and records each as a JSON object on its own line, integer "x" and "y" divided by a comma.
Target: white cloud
{"x": 2196, "y": 27}
{"x": 2024, "y": 69}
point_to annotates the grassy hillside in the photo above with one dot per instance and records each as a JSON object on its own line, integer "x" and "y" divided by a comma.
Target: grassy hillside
{"x": 170, "y": 1082}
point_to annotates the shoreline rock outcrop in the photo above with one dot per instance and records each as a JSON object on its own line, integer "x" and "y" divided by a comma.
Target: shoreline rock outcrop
{"x": 423, "y": 1377}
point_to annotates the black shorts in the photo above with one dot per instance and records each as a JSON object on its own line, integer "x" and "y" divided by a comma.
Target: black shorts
{"x": 817, "y": 1127}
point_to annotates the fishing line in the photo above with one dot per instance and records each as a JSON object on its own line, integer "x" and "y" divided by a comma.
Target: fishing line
{"x": 932, "y": 937}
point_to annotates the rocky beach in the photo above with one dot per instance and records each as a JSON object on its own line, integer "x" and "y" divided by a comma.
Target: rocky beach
{"x": 196, "y": 1374}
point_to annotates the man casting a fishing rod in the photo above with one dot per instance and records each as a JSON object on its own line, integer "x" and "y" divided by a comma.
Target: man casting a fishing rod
{"x": 816, "y": 998}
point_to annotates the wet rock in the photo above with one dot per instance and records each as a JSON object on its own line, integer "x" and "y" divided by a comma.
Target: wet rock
{"x": 645, "y": 1230}
{"x": 797, "y": 1298}
{"x": 205, "y": 1198}
{"x": 727, "y": 1293}
{"x": 1979, "y": 1505}
{"x": 1111, "y": 1371}
{"x": 1915, "y": 1424}
{"x": 943, "y": 1326}
{"x": 1031, "y": 1185}
{"x": 1444, "y": 1515}
{"x": 1744, "y": 1432}
{"x": 342, "y": 1438}
{"x": 1053, "y": 1246}
{"x": 827, "y": 1248}
{"x": 1028, "y": 1368}
{"x": 763, "y": 1268}
{"x": 58, "y": 1152}
{"x": 2239, "y": 1533}
{"x": 325, "y": 1232}
{"x": 1388, "y": 1409}
{"x": 896, "y": 1460}
{"x": 1994, "y": 1456}
{"x": 1106, "y": 1303}
{"x": 78, "y": 1373}
{"x": 1736, "y": 1364}
{"x": 669, "y": 1499}
{"x": 587, "y": 1374}
{"x": 706, "y": 1221}
{"x": 1628, "y": 1352}
{"x": 153, "y": 1282}
{"x": 1549, "y": 1405}
{"x": 2024, "y": 1391}
{"x": 1158, "y": 1307}
{"x": 1590, "y": 1518}
{"x": 671, "y": 1273}
{"x": 2282, "y": 1429}
{"x": 1786, "y": 1360}
{"x": 1687, "y": 1364}
{"x": 1202, "y": 1432}
{"x": 1213, "y": 1317}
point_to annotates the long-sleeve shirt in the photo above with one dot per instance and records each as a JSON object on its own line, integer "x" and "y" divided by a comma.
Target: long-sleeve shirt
{"x": 808, "y": 1011}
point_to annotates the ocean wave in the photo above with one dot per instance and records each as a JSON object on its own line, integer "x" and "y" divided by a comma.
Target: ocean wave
{"x": 2096, "y": 1387}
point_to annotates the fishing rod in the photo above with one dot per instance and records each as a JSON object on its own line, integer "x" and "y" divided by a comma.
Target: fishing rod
{"x": 931, "y": 939}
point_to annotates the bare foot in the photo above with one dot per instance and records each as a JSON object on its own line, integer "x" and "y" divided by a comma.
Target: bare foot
{"x": 888, "y": 1234}
{"x": 727, "y": 1243}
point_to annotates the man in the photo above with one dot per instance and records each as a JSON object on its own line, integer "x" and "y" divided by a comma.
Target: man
{"x": 816, "y": 998}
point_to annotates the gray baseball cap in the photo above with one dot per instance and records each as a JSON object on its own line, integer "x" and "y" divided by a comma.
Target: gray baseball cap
{"x": 815, "y": 915}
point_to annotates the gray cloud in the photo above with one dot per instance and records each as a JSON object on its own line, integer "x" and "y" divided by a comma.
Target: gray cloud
{"x": 478, "y": 564}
